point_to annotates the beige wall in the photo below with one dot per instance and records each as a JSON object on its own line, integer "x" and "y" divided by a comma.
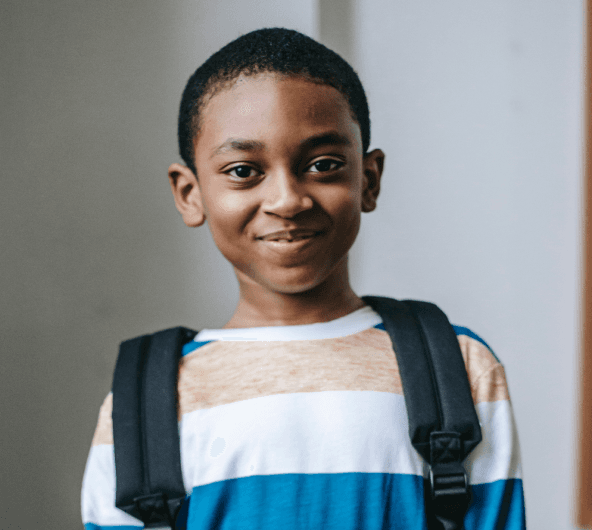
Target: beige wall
{"x": 92, "y": 249}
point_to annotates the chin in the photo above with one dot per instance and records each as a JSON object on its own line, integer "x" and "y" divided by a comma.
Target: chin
{"x": 293, "y": 289}
{"x": 296, "y": 285}
{"x": 289, "y": 280}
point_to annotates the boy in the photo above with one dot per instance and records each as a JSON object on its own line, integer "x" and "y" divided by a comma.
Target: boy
{"x": 292, "y": 415}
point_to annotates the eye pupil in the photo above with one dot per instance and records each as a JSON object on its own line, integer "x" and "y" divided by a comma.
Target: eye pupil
{"x": 323, "y": 165}
{"x": 243, "y": 171}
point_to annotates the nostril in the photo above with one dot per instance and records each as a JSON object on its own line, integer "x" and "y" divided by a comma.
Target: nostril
{"x": 288, "y": 204}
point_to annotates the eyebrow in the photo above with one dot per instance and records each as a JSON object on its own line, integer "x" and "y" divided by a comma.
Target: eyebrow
{"x": 243, "y": 144}
{"x": 238, "y": 144}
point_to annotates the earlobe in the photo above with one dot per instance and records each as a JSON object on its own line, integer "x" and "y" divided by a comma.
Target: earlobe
{"x": 373, "y": 165}
{"x": 187, "y": 194}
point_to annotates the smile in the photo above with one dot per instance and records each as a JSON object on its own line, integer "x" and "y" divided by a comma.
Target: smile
{"x": 292, "y": 244}
{"x": 288, "y": 239}
{"x": 289, "y": 236}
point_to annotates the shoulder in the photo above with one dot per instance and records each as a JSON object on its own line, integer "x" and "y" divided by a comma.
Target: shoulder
{"x": 465, "y": 335}
{"x": 485, "y": 371}
{"x": 104, "y": 430}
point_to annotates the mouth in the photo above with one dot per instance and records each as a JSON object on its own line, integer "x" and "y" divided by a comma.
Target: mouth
{"x": 290, "y": 236}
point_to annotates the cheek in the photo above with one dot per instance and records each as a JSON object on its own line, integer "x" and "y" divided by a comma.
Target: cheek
{"x": 224, "y": 215}
{"x": 345, "y": 207}
{"x": 229, "y": 207}
{"x": 345, "y": 212}
{"x": 351, "y": 225}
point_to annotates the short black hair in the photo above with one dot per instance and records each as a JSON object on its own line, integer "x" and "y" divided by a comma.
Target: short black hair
{"x": 268, "y": 50}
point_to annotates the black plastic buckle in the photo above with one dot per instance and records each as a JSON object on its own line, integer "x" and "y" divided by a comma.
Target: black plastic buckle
{"x": 449, "y": 490}
{"x": 154, "y": 510}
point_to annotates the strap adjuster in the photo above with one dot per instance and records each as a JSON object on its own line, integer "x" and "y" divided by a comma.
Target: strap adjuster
{"x": 448, "y": 478}
{"x": 446, "y": 481}
{"x": 449, "y": 494}
{"x": 154, "y": 510}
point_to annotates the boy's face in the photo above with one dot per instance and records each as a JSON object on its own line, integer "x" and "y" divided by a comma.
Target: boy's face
{"x": 282, "y": 181}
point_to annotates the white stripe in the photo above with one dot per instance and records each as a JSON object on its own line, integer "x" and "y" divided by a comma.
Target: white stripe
{"x": 328, "y": 432}
{"x": 497, "y": 457}
{"x": 98, "y": 490}
{"x": 309, "y": 432}
{"x": 355, "y": 322}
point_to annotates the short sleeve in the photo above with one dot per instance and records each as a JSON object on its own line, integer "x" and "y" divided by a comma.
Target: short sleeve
{"x": 493, "y": 467}
{"x": 98, "y": 485}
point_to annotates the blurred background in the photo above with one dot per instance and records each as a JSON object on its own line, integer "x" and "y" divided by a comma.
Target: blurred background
{"x": 478, "y": 107}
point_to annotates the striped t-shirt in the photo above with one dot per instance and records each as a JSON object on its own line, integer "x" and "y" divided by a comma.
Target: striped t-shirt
{"x": 305, "y": 427}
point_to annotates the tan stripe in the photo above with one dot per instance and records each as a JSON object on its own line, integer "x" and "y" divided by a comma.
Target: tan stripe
{"x": 491, "y": 386}
{"x": 223, "y": 372}
{"x": 104, "y": 431}
{"x": 486, "y": 374}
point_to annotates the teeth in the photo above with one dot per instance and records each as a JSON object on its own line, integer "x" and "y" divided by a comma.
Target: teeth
{"x": 298, "y": 238}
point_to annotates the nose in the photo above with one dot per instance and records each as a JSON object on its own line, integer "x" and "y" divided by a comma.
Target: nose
{"x": 285, "y": 195}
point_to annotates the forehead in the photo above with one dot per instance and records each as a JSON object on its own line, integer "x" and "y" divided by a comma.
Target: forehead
{"x": 273, "y": 108}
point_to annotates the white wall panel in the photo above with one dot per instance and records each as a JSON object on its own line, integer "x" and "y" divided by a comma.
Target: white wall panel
{"x": 478, "y": 108}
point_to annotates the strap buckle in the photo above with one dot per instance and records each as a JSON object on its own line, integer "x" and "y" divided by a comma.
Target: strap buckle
{"x": 154, "y": 510}
{"x": 447, "y": 482}
{"x": 450, "y": 494}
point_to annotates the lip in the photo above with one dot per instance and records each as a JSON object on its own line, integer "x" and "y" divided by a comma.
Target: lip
{"x": 291, "y": 246}
{"x": 290, "y": 236}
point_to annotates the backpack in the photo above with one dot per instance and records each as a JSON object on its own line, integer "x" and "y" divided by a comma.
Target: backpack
{"x": 443, "y": 423}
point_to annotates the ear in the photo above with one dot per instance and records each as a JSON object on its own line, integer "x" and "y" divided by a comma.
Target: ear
{"x": 373, "y": 165}
{"x": 187, "y": 195}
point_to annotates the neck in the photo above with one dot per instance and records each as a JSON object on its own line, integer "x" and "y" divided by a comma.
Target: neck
{"x": 260, "y": 306}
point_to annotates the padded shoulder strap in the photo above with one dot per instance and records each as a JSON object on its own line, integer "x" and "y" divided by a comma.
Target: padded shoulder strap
{"x": 149, "y": 482}
{"x": 450, "y": 378}
{"x": 433, "y": 375}
{"x": 443, "y": 424}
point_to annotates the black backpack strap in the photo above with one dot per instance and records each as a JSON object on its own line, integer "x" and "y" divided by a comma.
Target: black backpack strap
{"x": 443, "y": 424}
{"x": 149, "y": 481}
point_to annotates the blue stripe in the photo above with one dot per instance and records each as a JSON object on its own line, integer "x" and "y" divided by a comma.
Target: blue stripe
{"x": 497, "y": 505}
{"x": 92, "y": 526}
{"x": 380, "y": 326}
{"x": 342, "y": 501}
{"x": 192, "y": 346}
{"x": 181, "y": 522}
{"x": 349, "y": 501}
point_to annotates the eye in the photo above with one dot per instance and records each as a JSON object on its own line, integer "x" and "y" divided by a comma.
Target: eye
{"x": 325, "y": 165}
{"x": 242, "y": 172}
